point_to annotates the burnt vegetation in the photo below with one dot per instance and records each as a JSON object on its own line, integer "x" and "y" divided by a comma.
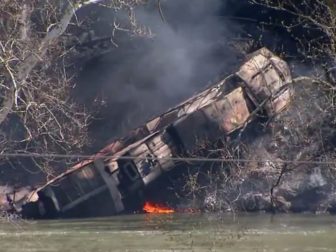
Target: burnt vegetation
{"x": 270, "y": 176}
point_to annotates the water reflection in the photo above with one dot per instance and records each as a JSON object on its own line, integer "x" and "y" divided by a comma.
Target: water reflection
{"x": 174, "y": 232}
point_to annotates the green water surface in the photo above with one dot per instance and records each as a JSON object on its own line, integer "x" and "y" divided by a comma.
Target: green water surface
{"x": 176, "y": 232}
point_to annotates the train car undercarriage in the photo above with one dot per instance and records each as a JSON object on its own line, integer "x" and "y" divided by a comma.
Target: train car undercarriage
{"x": 113, "y": 180}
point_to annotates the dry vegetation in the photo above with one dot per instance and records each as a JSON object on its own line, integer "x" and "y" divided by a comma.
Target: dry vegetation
{"x": 311, "y": 23}
{"x": 37, "y": 114}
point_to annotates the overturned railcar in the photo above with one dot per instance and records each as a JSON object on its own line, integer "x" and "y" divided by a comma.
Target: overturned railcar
{"x": 114, "y": 179}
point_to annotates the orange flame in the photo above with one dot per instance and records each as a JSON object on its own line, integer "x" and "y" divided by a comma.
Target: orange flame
{"x": 157, "y": 209}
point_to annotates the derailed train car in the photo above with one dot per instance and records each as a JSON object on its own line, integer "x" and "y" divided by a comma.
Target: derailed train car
{"x": 110, "y": 182}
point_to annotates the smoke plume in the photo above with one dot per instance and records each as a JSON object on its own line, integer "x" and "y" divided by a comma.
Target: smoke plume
{"x": 143, "y": 77}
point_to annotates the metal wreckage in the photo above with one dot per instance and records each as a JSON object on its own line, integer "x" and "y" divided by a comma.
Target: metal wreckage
{"x": 107, "y": 183}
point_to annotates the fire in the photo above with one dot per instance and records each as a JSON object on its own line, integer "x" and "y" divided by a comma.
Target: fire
{"x": 157, "y": 209}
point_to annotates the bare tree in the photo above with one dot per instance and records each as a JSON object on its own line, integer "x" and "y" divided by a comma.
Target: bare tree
{"x": 312, "y": 23}
{"x": 36, "y": 110}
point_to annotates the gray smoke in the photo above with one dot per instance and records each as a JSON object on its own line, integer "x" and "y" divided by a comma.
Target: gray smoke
{"x": 143, "y": 77}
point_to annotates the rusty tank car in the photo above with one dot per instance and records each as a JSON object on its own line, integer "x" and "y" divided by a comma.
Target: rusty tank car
{"x": 107, "y": 183}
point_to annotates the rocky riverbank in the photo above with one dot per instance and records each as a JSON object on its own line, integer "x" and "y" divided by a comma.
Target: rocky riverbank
{"x": 298, "y": 168}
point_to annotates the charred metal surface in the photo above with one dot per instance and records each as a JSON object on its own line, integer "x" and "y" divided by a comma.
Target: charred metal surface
{"x": 230, "y": 112}
{"x": 110, "y": 180}
{"x": 265, "y": 75}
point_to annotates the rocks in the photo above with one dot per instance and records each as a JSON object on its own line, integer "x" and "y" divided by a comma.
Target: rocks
{"x": 12, "y": 199}
{"x": 4, "y": 200}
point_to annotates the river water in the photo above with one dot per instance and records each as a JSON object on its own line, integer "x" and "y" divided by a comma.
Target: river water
{"x": 176, "y": 232}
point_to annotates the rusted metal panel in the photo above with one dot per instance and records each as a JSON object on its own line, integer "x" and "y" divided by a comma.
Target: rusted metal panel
{"x": 260, "y": 76}
{"x": 148, "y": 167}
{"x": 239, "y": 115}
{"x": 111, "y": 166}
{"x": 83, "y": 198}
{"x": 200, "y": 101}
{"x": 186, "y": 108}
{"x": 111, "y": 184}
{"x": 139, "y": 151}
{"x": 75, "y": 186}
{"x": 282, "y": 68}
{"x": 162, "y": 121}
{"x": 280, "y": 102}
{"x": 88, "y": 177}
{"x": 152, "y": 156}
{"x": 163, "y": 148}
{"x": 231, "y": 112}
{"x": 195, "y": 130}
{"x": 265, "y": 74}
{"x": 150, "y": 146}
